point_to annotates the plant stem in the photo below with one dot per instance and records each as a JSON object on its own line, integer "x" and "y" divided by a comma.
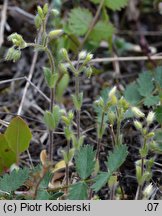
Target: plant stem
{"x": 52, "y": 97}
{"x": 52, "y": 92}
{"x": 67, "y": 166}
{"x": 77, "y": 86}
{"x": 118, "y": 127}
{"x": 44, "y": 171}
{"x": 139, "y": 189}
{"x": 113, "y": 135}
{"x": 100, "y": 135}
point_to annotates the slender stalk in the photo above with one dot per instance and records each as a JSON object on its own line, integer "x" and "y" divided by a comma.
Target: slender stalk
{"x": 52, "y": 97}
{"x": 139, "y": 189}
{"x": 52, "y": 91}
{"x": 67, "y": 166}
{"x": 44, "y": 171}
{"x": 100, "y": 136}
{"x": 77, "y": 86}
{"x": 113, "y": 135}
{"x": 118, "y": 127}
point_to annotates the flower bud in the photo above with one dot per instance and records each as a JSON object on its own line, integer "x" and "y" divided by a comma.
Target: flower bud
{"x": 55, "y": 33}
{"x": 89, "y": 72}
{"x": 123, "y": 103}
{"x": 113, "y": 100}
{"x": 63, "y": 68}
{"x": 148, "y": 190}
{"x": 17, "y": 40}
{"x": 150, "y": 118}
{"x": 150, "y": 135}
{"x": 54, "y": 12}
{"x": 82, "y": 55}
{"x": 70, "y": 115}
{"x": 100, "y": 102}
{"x": 88, "y": 58}
{"x": 64, "y": 54}
{"x": 112, "y": 92}
{"x": 37, "y": 21}
{"x": 138, "y": 125}
{"x": 137, "y": 112}
{"x": 40, "y": 12}
{"x": 45, "y": 9}
{"x": 13, "y": 55}
{"x": 111, "y": 117}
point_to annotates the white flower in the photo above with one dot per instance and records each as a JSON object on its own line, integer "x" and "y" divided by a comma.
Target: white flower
{"x": 138, "y": 125}
{"x": 82, "y": 55}
{"x": 148, "y": 190}
{"x": 112, "y": 92}
{"x": 100, "y": 102}
{"x": 150, "y": 118}
{"x": 137, "y": 112}
{"x": 89, "y": 57}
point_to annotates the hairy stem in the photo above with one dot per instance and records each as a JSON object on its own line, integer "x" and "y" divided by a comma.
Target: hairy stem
{"x": 44, "y": 171}
{"x": 67, "y": 166}
{"x": 100, "y": 135}
{"x": 139, "y": 189}
{"x": 52, "y": 97}
{"x": 52, "y": 91}
{"x": 77, "y": 86}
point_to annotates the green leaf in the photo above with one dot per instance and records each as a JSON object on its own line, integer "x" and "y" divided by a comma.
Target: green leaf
{"x": 7, "y": 155}
{"x": 158, "y": 136}
{"x": 79, "y": 21}
{"x": 62, "y": 86}
{"x": 18, "y": 135}
{"x": 114, "y": 5}
{"x": 102, "y": 31}
{"x": 100, "y": 180}
{"x": 45, "y": 182}
{"x": 78, "y": 101}
{"x": 158, "y": 76}
{"x": 56, "y": 114}
{"x": 11, "y": 182}
{"x": 145, "y": 84}
{"x": 52, "y": 119}
{"x": 42, "y": 195}
{"x": 131, "y": 94}
{"x": 56, "y": 195}
{"x": 78, "y": 191}
{"x": 158, "y": 113}
{"x": 48, "y": 120}
{"x": 117, "y": 158}
{"x": 151, "y": 100}
{"x": 50, "y": 78}
{"x": 85, "y": 161}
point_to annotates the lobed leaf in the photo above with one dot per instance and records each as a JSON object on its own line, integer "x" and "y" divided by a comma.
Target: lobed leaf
{"x": 100, "y": 180}
{"x": 11, "y": 182}
{"x": 79, "y": 21}
{"x": 145, "y": 84}
{"x": 114, "y": 5}
{"x": 85, "y": 161}
{"x": 158, "y": 113}
{"x": 132, "y": 94}
{"x": 117, "y": 158}
{"x": 78, "y": 191}
{"x": 151, "y": 100}
{"x": 102, "y": 31}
